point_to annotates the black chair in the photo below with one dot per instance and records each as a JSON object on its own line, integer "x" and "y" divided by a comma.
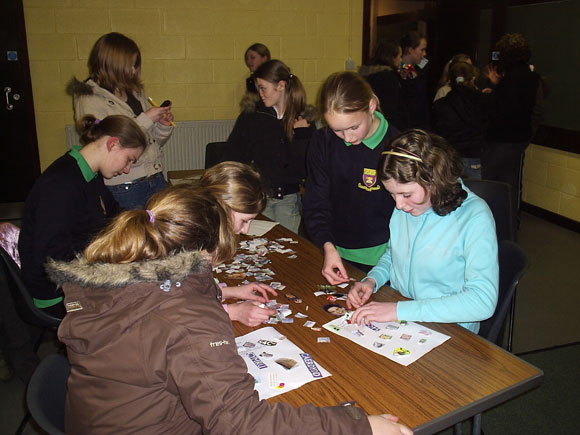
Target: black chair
{"x": 215, "y": 152}
{"x": 46, "y": 394}
{"x": 513, "y": 262}
{"x": 23, "y": 302}
{"x": 498, "y": 197}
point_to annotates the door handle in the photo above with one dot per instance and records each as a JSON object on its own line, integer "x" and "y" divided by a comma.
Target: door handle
{"x": 7, "y": 91}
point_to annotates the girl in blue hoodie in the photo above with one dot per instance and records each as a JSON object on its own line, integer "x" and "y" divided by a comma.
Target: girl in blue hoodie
{"x": 442, "y": 252}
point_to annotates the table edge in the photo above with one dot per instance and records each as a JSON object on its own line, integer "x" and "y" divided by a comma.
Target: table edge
{"x": 479, "y": 406}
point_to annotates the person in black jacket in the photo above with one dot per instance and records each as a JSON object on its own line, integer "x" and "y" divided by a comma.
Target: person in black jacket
{"x": 69, "y": 204}
{"x": 462, "y": 116}
{"x": 516, "y": 90}
{"x": 383, "y": 76}
{"x": 414, "y": 81}
{"x": 273, "y": 136}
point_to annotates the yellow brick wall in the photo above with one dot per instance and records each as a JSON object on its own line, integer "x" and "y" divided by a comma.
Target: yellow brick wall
{"x": 192, "y": 50}
{"x": 552, "y": 180}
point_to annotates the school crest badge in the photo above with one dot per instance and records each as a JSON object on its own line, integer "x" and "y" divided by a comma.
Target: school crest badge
{"x": 369, "y": 178}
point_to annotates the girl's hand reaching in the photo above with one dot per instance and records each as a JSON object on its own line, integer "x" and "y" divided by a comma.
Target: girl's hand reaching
{"x": 333, "y": 269}
{"x": 375, "y": 311}
{"x": 254, "y": 291}
{"x": 249, "y": 313}
{"x": 360, "y": 293}
{"x": 387, "y": 424}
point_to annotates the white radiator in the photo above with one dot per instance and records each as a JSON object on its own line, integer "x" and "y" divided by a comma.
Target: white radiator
{"x": 186, "y": 147}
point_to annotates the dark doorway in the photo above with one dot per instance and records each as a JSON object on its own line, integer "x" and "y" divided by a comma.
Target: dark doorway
{"x": 18, "y": 142}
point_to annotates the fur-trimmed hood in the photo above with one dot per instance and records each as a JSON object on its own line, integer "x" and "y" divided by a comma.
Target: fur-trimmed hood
{"x": 110, "y": 276}
{"x": 368, "y": 70}
{"x": 75, "y": 87}
{"x": 251, "y": 103}
{"x": 104, "y": 302}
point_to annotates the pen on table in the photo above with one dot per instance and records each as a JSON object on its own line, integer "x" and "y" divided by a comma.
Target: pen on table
{"x": 153, "y": 103}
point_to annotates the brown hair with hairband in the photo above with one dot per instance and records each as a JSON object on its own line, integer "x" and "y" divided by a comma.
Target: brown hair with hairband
{"x": 417, "y": 156}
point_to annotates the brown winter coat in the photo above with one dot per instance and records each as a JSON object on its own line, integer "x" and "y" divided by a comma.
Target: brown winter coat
{"x": 152, "y": 351}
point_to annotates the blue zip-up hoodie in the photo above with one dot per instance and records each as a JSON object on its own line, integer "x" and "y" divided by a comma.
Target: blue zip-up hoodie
{"x": 447, "y": 264}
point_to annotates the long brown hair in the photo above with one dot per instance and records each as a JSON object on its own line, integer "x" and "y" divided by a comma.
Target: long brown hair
{"x": 437, "y": 171}
{"x": 345, "y": 92}
{"x": 122, "y": 127}
{"x": 111, "y": 63}
{"x": 177, "y": 218}
{"x": 275, "y": 71}
{"x": 238, "y": 187}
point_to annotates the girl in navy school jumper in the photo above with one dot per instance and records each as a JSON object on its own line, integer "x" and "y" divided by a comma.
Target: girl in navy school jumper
{"x": 346, "y": 209}
{"x": 69, "y": 204}
{"x": 273, "y": 136}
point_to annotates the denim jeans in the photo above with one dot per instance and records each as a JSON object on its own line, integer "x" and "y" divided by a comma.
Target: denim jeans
{"x": 286, "y": 211}
{"x": 135, "y": 195}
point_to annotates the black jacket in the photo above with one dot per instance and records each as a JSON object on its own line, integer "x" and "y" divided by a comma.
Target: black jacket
{"x": 259, "y": 139}
{"x": 386, "y": 85}
{"x": 515, "y": 98}
{"x": 251, "y": 85}
{"x": 461, "y": 117}
{"x": 416, "y": 104}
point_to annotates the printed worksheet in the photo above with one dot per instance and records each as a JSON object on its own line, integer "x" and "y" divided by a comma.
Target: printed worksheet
{"x": 403, "y": 342}
{"x": 277, "y": 364}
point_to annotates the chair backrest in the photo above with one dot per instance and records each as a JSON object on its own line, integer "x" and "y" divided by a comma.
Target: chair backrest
{"x": 513, "y": 262}
{"x": 46, "y": 394}
{"x": 11, "y": 277}
{"x": 215, "y": 152}
{"x": 498, "y": 197}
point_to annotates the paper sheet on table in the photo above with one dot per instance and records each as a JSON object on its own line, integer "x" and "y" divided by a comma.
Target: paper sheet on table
{"x": 259, "y": 228}
{"x": 390, "y": 339}
{"x": 260, "y": 350}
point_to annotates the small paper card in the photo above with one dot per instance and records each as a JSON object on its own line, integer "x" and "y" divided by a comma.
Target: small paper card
{"x": 259, "y": 227}
{"x": 277, "y": 364}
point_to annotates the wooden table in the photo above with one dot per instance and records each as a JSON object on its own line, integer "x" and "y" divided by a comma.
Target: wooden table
{"x": 463, "y": 377}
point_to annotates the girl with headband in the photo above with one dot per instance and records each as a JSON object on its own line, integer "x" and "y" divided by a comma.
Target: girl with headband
{"x": 442, "y": 253}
